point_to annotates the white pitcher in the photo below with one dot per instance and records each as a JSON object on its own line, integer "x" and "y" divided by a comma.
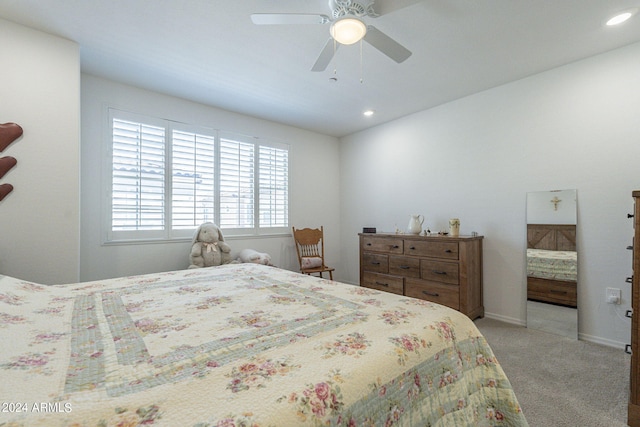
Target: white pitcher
{"x": 415, "y": 224}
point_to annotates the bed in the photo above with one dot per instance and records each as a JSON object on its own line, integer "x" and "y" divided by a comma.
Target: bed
{"x": 552, "y": 264}
{"x": 241, "y": 345}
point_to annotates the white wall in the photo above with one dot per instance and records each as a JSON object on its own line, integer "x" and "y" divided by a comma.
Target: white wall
{"x": 314, "y": 182}
{"x": 39, "y": 220}
{"x": 476, "y": 158}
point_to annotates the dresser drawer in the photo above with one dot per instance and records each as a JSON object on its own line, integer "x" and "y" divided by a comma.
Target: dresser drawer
{"x": 555, "y": 292}
{"x": 440, "y": 271}
{"x": 383, "y": 282}
{"x": 390, "y": 245}
{"x": 378, "y": 263}
{"x": 432, "y": 291}
{"x": 431, "y": 248}
{"x": 404, "y": 266}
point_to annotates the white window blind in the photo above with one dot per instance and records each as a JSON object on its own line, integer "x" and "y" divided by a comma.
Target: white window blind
{"x": 138, "y": 176}
{"x": 193, "y": 189}
{"x": 167, "y": 178}
{"x": 237, "y": 163}
{"x": 274, "y": 187}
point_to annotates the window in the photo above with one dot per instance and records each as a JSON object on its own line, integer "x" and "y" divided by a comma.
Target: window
{"x": 193, "y": 186}
{"x": 237, "y": 172}
{"x": 166, "y": 178}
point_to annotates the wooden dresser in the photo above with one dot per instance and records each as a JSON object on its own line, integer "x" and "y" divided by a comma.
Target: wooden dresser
{"x": 445, "y": 270}
{"x": 634, "y": 393}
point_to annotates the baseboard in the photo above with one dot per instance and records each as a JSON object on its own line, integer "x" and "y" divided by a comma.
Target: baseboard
{"x": 511, "y": 320}
{"x": 581, "y": 336}
{"x": 601, "y": 341}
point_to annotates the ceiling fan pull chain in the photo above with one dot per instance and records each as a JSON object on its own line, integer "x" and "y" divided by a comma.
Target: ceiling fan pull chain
{"x": 335, "y": 63}
{"x": 361, "y": 78}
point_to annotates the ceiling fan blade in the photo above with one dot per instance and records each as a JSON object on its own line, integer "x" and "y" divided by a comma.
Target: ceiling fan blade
{"x": 326, "y": 55}
{"x": 288, "y": 18}
{"x": 386, "y": 44}
{"x": 382, "y": 7}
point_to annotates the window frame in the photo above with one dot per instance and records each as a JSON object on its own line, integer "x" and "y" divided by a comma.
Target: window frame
{"x": 168, "y": 233}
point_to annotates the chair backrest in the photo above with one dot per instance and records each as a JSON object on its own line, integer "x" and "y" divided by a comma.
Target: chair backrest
{"x": 309, "y": 243}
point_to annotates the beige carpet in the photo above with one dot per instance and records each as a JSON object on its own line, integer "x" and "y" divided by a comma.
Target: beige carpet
{"x": 559, "y": 381}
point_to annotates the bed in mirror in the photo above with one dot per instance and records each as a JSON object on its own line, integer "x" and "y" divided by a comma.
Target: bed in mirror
{"x": 552, "y": 262}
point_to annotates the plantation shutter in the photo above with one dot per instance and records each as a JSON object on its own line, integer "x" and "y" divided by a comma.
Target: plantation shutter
{"x": 193, "y": 189}
{"x": 274, "y": 187}
{"x": 138, "y": 176}
{"x": 236, "y": 184}
{"x": 164, "y": 178}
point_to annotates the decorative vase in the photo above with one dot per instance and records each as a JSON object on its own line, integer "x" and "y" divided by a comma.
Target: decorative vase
{"x": 454, "y": 227}
{"x": 415, "y": 224}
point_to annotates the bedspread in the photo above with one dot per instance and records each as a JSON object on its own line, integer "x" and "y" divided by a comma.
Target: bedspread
{"x": 241, "y": 345}
{"x": 555, "y": 265}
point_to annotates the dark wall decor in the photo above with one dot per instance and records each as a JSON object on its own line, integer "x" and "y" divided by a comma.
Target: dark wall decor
{"x": 6, "y": 163}
{"x": 9, "y": 132}
{"x": 4, "y": 190}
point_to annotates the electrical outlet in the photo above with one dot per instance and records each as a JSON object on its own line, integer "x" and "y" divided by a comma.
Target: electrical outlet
{"x": 613, "y": 296}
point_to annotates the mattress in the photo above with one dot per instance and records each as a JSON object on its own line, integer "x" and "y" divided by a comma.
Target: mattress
{"x": 553, "y": 265}
{"x": 241, "y": 345}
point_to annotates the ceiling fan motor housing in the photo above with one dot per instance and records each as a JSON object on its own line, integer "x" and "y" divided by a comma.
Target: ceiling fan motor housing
{"x": 359, "y": 8}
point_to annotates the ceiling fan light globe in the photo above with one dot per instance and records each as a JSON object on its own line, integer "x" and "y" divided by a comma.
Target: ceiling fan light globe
{"x": 348, "y": 30}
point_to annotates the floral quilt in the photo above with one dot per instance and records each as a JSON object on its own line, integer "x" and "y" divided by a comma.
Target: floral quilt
{"x": 555, "y": 265}
{"x": 241, "y": 345}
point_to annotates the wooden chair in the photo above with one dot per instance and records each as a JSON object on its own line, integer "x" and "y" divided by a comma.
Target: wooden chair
{"x": 310, "y": 248}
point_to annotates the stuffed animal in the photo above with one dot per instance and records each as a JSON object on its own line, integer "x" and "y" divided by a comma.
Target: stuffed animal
{"x": 208, "y": 247}
{"x": 255, "y": 257}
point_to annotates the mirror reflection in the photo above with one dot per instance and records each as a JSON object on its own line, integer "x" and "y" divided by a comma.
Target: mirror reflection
{"x": 552, "y": 262}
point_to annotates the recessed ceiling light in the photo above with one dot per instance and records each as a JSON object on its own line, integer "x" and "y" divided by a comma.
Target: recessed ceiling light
{"x": 621, "y": 17}
{"x": 368, "y": 113}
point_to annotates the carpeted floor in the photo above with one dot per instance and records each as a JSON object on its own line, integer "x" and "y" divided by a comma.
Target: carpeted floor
{"x": 559, "y": 381}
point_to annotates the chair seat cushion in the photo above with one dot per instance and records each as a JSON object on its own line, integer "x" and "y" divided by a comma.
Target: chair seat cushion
{"x": 311, "y": 262}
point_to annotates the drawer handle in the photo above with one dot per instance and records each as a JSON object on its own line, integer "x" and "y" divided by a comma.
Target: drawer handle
{"x": 431, "y": 294}
{"x": 629, "y": 313}
{"x": 413, "y": 248}
{"x": 368, "y": 244}
{"x": 629, "y": 279}
{"x": 375, "y": 263}
{"x": 382, "y": 284}
{"x": 405, "y": 267}
{"x": 439, "y": 272}
{"x": 448, "y": 251}
{"x": 553, "y": 291}
{"x": 395, "y": 247}
{"x": 629, "y": 215}
{"x": 627, "y": 349}
{"x": 630, "y": 247}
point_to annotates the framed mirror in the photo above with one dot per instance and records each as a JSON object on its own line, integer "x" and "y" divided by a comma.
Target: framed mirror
{"x": 552, "y": 262}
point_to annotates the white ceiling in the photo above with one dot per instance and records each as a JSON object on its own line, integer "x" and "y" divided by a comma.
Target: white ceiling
{"x": 210, "y": 52}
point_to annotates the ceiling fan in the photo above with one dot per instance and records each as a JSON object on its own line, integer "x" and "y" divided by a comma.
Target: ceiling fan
{"x": 347, "y": 26}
